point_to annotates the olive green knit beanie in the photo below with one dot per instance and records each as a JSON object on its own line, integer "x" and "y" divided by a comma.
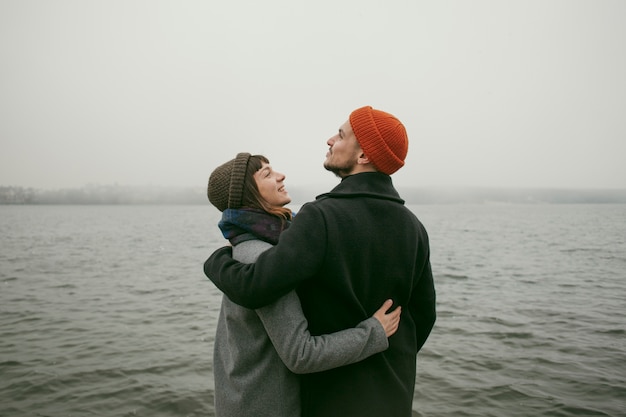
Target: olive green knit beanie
{"x": 226, "y": 183}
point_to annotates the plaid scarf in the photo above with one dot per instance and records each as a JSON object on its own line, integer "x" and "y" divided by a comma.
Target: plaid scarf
{"x": 239, "y": 225}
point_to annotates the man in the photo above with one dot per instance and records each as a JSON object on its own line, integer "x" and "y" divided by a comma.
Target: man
{"x": 344, "y": 252}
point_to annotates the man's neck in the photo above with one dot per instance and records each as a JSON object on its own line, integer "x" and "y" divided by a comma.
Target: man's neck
{"x": 360, "y": 168}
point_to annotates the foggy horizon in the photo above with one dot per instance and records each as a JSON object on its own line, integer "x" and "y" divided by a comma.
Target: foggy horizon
{"x": 321, "y": 186}
{"x": 133, "y": 195}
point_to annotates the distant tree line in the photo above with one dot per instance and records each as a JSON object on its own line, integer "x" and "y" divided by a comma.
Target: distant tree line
{"x": 103, "y": 194}
{"x": 118, "y": 194}
{"x": 478, "y": 195}
{"x": 17, "y": 195}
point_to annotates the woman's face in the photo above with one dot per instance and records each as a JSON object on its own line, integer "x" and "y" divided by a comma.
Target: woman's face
{"x": 271, "y": 187}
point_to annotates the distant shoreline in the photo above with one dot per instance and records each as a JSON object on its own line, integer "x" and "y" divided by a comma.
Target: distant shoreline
{"x": 137, "y": 195}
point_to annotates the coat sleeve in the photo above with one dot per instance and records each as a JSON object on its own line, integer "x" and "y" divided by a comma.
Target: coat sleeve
{"x": 303, "y": 353}
{"x": 422, "y": 304}
{"x": 295, "y": 258}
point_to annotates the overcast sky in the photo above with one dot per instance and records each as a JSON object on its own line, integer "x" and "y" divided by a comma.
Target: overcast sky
{"x": 528, "y": 93}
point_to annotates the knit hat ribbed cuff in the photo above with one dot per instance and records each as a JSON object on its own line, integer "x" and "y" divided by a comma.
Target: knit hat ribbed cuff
{"x": 237, "y": 178}
{"x": 226, "y": 183}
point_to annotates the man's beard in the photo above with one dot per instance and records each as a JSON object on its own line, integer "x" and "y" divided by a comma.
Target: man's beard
{"x": 341, "y": 171}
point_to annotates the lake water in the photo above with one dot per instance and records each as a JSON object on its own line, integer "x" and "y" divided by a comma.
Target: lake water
{"x": 105, "y": 311}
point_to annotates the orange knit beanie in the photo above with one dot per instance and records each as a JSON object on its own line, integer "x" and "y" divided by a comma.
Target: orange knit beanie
{"x": 382, "y": 137}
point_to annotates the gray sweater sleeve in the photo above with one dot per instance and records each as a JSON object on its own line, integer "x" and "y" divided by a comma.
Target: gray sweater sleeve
{"x": 287, "y": 328}
{"x": 303, "y": 353}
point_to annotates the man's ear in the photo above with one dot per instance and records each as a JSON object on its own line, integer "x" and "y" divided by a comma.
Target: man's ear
{"x": 362, "y": 159}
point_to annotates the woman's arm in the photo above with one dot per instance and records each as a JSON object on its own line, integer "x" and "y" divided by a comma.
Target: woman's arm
{"x": 303, "y": 353}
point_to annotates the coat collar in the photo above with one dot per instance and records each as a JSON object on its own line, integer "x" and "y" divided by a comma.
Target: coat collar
{"x": 365, "y": 184}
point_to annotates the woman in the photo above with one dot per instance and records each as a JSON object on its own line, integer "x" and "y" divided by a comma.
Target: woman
{"x": 259, "y": 352}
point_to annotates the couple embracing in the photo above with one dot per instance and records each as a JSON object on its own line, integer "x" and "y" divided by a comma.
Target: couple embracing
{"x": 323, "y": 312}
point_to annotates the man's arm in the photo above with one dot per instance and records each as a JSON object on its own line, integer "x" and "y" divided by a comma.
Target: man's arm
{"x": 423, "y": 305}
{"x": 297, "y": 257}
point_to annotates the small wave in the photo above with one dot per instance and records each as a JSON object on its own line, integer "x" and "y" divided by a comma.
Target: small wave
{"x": 513, "y": 335}
{"x": 455, "y": 276}
{"x": 502, "y": 322}
{"x": 9, "y": 364}
{"x": 611, "y": 332}
{"x": 64, "y": 286}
